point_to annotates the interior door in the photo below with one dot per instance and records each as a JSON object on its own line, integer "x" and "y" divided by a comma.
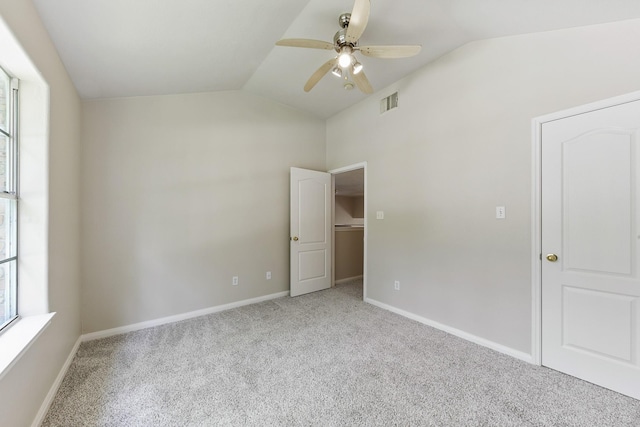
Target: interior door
{"x": 310, "y": 231}
{"x": 590, "y": 277}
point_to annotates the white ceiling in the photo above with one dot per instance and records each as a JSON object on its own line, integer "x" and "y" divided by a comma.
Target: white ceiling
{"x": 116, "y": 48}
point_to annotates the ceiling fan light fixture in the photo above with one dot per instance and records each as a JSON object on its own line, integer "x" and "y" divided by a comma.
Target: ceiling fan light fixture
{"x": 337, "y": 71}
{"x": 357, "y": 67}
{"x": 345, "y": 59}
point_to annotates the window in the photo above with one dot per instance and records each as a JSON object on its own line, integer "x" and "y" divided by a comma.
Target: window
{"x": 8, "y": 199}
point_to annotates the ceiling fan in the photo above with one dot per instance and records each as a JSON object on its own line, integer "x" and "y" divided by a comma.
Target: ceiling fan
{"x": 345, "y": 42}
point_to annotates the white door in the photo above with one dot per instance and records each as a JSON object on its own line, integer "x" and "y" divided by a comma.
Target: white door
{"x": 590, "y": 213}
{"x": 310, "y": 231}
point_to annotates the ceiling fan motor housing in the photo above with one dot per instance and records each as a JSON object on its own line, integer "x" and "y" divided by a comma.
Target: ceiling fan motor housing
{"x": 340, "y": 38}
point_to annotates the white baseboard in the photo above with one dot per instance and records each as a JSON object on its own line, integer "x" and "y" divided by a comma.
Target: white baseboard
{"x": 44, "y": 408}
{"x": 457, "y": 332}
{"x": 348, "y": 279}
{"x": 178, "y": 317}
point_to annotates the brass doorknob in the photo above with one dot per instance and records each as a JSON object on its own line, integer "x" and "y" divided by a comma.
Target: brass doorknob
{"x": 552, "y": 257}
{"x": 295, "y": 238}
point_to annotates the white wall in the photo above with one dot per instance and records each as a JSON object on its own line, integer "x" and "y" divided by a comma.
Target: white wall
{"x": 458, "y": 145}
{"x": 50, "y": 222}
{"x": 182, "y": 192}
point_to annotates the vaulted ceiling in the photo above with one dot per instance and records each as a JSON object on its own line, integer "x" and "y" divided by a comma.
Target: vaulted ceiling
{"x": 119, "y": 48}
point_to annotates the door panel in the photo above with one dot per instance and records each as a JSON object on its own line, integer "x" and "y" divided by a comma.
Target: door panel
{"x": 594, "y": 165}
{"x": 312, "y": 264}
{"x": 591, "y": 294}
{"x": 311, "y": 211}
{"x": 310, "y": 231}
{"x": 588, "y": 316}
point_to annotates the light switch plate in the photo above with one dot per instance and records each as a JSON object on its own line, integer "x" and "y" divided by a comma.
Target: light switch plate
{"x": 379, "y": 215}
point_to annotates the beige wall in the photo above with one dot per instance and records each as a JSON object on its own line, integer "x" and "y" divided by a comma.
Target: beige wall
{"x": 349, "y": 210}
{"x": 459, "y": 145}
{"x": 182, "y": 192}
{"x": 358, "y": 207}
{"x": 25, "y": 386}
{"x": 349, "y": 249}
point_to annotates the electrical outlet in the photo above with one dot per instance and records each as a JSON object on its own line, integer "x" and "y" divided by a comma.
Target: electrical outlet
{"x": 380, "y": 215}
{"x": 396, "y": 285}
{"x": 268, "y": 275}
{"x": 501, "y": 212}
{"x": 235, "y": 281}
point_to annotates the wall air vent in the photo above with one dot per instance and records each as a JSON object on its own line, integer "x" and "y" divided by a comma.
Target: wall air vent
{"x": 389, "y": 103}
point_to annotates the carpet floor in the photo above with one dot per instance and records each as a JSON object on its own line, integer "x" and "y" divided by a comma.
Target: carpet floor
{"x": 323, "y": 359}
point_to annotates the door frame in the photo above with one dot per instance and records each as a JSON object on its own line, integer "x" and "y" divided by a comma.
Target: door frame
{"x": 333, "y": 172}
{"x": 536, "y": 209}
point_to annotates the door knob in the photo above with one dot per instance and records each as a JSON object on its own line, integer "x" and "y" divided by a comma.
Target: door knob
{"x": 295, "y": 238}
{"x": 552, "y": 257}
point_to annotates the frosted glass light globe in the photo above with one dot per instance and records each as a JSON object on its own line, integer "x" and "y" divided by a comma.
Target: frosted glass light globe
{"x": 344, "y": 60}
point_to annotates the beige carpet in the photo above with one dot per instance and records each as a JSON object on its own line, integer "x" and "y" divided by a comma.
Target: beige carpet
{"x": 324, "y": 359}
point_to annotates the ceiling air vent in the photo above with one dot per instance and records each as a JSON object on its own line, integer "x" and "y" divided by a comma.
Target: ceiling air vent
{"x": 389, "y": 103}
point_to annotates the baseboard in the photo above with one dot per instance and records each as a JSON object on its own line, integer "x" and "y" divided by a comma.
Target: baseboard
{"x": 44, "y": 408}
{"x": 178, "y": 317}
{"x": 457, "y": 332}
{"x": 348, "y": 279}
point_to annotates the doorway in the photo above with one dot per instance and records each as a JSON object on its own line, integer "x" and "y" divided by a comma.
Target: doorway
{"x": 349, "y": 225}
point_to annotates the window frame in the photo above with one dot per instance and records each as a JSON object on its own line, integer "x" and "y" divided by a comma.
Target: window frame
{"x": 10, "y": 191}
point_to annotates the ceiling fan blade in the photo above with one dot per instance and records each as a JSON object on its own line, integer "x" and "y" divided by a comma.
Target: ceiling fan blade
{"x": 362, "y": 82}
{"x": 313, "y": 44}
{"x": 319, "y": 74}
{"x": 358, "y": 20}
{"x": 390, "y": 52}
